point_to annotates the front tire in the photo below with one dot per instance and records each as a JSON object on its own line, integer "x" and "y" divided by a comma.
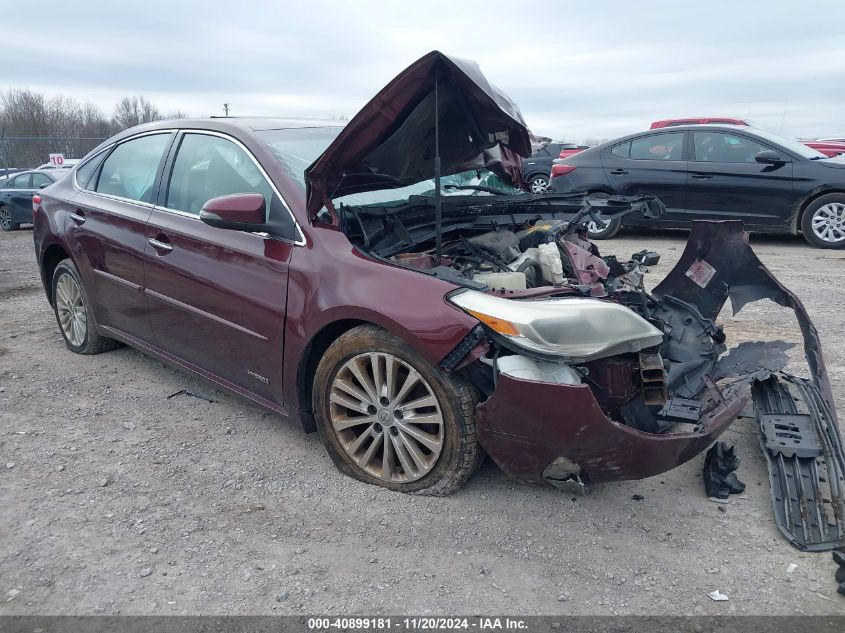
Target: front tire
{"x": 823, "y": 221}
{"x": 73, "y": 313}
{"x": 6, "y": 220}
{"x": 388, "y": 418}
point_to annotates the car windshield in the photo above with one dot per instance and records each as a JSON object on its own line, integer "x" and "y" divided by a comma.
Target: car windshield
{"x": 297, "y": 148}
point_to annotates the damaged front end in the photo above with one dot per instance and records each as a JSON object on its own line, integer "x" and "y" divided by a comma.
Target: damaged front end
{"x": 586, "y": 377}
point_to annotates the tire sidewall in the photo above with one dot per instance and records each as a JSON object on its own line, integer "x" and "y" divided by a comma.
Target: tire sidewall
{"x": 807, "y": 219}
{"x": 375, "y": 340}
{"x": 66, "y": 267}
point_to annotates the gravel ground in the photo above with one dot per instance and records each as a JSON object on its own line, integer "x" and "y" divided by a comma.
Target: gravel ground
{"x": 117, "y": 499}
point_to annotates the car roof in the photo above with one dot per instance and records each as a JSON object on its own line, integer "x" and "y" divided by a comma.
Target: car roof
{"x": 223, "y": 124}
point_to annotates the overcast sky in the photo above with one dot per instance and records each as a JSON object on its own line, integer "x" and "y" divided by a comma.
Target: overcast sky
{"x": 577, "y": 69}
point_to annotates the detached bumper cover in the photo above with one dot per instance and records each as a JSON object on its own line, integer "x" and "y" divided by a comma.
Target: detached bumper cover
{"x": 526, "y": 425}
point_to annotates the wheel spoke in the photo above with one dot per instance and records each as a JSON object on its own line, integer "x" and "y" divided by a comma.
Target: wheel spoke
{"x": 412, "y": 379}
{"x": 367, "y": 457}
{"x": 413, "y": 450}
{"x": 431, "y": 442}
{"x": 404, "y": 458}
{"x": 363, "y": 380}
{"x": 378, "y": 386}
{"x": 360, "y": 441}
{"x": 341, "y": 424}
{"x": 390, "y": 376}
{"x": 342, "y": 400}
{"x": 353, "y": 391}
{"x": 419, "y": 403}
{"x": 387, "y": 458}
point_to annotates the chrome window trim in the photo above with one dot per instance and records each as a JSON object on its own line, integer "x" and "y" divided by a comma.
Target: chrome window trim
{"x": 299, "y": 240}
{"x": 75, "y": 182}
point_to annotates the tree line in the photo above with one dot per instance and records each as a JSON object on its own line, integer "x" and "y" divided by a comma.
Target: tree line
{"x": 34, "y": 125}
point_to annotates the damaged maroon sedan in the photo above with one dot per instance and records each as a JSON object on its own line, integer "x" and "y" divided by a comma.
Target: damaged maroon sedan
{"x": 390, "y": 285}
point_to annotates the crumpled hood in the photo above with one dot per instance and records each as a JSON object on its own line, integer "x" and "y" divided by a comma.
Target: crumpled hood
{"x": 390, "y": 142}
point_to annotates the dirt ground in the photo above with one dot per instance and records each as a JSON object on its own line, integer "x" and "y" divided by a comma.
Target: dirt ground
{"x": 116, "y": 499}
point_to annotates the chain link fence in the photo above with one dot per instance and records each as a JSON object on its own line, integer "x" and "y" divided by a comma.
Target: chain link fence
{"x": 26, "y": 152}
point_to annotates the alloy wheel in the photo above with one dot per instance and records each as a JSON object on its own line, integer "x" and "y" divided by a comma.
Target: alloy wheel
{"x": 5, "y": 218}
{"x": 539, "y": 185}
{"x": 386, "y": 417}
{"x": 71, "y": 310}
{"x": 594, "y": 227}
{"x": 828, "y": 222}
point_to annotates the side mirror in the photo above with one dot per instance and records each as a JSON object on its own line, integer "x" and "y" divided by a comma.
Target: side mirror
{"x": 770, "y": 157}
{"x": 237, "y": 212}
{"x": 46, "y": 184}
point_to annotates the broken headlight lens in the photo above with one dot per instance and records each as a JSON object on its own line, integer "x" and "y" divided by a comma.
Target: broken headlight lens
{"x": 579, "y": 329}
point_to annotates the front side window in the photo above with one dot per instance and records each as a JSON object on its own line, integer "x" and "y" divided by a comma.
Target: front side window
{"x": 722, "y": 147}
{"x": 669, "y": 146}
{"x": 40, "y": 179}
{"x": 210, "y": 166}
{"x": 130, "y": 170}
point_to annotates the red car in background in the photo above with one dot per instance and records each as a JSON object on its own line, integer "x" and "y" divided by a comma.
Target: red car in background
{"x": 828, "y": 147}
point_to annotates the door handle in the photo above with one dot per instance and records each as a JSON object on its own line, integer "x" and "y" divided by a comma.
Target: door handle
{"x": 701, "y": 176}
{"x": 162, "y": 247}
{"x": 78, "y": 217}
{"x": 619, "y": 172}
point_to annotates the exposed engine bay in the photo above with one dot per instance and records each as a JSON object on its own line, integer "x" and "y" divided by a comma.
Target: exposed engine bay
{"x": 553, "y": 310}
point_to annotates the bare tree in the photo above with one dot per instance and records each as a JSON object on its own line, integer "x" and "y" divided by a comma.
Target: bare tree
{"x": 132, "y": 111}
{"x": 32, "y": 126}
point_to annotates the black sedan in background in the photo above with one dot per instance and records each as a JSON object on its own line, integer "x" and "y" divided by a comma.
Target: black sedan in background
{"x": 717, "y": 172}
{"x": 16, "y": 195}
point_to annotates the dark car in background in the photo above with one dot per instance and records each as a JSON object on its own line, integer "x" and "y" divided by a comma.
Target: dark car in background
{"x": 16, "y": 193}
{"x": 717, "y": 172}
{"x": 536, "y": 169}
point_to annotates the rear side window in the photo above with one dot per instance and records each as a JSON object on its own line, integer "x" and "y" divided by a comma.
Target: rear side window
{"x": 669, "y": 146}
{"x": 130, "y": 170}
{"x": 86, "y": 171}
{"x": 209, "y": 166}
{"x": 623, "y": 150}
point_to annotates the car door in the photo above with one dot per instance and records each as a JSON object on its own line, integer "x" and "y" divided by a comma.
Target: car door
{"x": 652, "y": 164}
{"x": 20, "y": 197}
{"x": 218, "y": 297}
{"x": 107, "y": 228}
{"x": 725, "y": 181}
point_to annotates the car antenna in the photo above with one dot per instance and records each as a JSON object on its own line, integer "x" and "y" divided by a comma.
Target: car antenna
{"x": 438, "y": 213}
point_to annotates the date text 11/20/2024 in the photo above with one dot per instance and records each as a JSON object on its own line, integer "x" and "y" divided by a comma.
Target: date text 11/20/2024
{"x": 416, "y": 624}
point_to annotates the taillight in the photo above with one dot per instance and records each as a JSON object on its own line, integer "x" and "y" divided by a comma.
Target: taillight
{"x": 562, "y": 170}
{"x": 36, "y": 200}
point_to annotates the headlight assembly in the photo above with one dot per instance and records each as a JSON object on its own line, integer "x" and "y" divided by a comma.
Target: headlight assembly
{"x": 578, "y": 329}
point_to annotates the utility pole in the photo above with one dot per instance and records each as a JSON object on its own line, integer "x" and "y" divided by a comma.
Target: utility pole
{"x": 226, "y": 108}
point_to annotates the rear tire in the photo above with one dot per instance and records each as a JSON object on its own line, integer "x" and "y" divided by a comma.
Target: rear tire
{"x": 73, "y": 312}
{"x": 539, "y": 183}
{"x": 6, "y": 220}
{"x": 823, "y": 221}
{"x": 384, "y": 446}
